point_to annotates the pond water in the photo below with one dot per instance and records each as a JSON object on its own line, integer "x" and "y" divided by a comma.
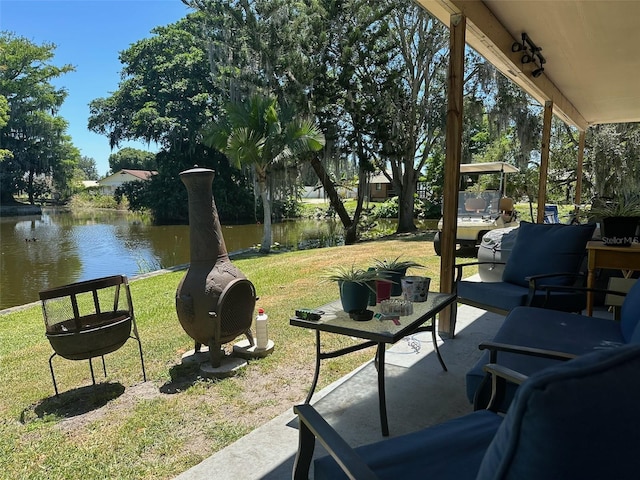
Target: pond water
{"x": 60, "y": 247}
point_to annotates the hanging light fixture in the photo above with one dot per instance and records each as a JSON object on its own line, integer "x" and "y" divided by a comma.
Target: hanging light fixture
{"x": 530, "y": 54}
{"x": 537, "y": 72}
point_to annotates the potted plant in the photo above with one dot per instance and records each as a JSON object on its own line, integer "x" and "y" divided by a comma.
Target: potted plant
{"x": 394, "y": 270}
{"x": 354, "y": 284}
{"x": 619, "y": 219}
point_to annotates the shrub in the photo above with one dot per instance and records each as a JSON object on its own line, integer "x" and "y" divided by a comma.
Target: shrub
{"x": 387, "y": 209}
{"x": 291, "y": 207}
{"x": 423, "y": 209}
{"x": 88, "y": 199}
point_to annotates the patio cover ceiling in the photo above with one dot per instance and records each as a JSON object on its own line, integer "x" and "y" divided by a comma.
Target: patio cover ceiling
{"x": 592, "y": 65}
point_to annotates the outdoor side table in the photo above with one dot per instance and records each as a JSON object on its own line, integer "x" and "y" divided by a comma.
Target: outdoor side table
{"x": 626, "y": 259}
{"x": 375, "y": 332}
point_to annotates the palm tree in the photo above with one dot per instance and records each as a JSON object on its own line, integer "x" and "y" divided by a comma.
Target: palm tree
{"x": 255, "y": 135}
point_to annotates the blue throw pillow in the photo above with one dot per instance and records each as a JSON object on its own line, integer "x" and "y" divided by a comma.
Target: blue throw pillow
{"x": 543, "y": 248}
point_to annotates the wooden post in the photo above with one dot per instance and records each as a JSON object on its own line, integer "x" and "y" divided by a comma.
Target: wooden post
{"x": 578, "y": 193}
{"x": 544, "y": 159}
{"x": 457, "y": 30}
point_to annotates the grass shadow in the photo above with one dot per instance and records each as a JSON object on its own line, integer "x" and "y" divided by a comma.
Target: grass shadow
{"x": 183, "y": 376}
{"x": 417, "y": 236}
{"x": 74, "y": 402}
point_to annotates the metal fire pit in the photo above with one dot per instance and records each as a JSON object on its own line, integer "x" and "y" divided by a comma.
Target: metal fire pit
{"x": 89, "y": 319}
{"x": 214, "y": 300}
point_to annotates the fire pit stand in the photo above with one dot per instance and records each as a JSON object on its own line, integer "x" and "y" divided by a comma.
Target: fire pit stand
{"x": 89, "y": 319}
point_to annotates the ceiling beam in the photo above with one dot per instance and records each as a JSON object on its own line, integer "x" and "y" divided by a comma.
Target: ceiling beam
{"x": 489, "y": 38}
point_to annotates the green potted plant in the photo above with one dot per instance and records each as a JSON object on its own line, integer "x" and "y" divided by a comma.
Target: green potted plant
{"x": 355, "y": 284}
{"x": 619, "y": 219}
{"x": 394, "y": 270}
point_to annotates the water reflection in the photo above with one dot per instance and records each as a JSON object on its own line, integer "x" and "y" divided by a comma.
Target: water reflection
{"x": 60, "y": 247}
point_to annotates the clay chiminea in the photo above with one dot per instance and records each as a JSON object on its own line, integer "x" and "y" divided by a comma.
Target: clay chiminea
{"x": 214, "y": 300}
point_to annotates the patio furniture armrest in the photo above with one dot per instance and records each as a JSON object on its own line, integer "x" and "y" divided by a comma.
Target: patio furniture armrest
{"x": 459, "y": 267}
{"x": 534, "y": 280}
{"x": 313, "y": 426}
{"x": 569, "y": 288}
{"x": 495, "y": 347}
{"x": 577, "y": 288}
{"x": 500, "y": 376}
{"x": 492, "y": 398}
{"x": 506, "y": 373}
{"x": 534, "y": 284}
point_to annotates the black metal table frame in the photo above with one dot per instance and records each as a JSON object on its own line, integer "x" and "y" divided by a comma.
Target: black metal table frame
{"x": 415, "y": 326}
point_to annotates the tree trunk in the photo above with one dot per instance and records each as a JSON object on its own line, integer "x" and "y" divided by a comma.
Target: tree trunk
{"x": 350, "y": 233}
{"x": 30, "y": 186}
{"x": 406, "y": 203}
{"x": 266, "y": 224}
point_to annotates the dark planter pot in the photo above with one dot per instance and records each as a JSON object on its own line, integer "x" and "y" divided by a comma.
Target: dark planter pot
{"x": 396, "y": 278}
{"x": 354, "y": 296}
{"x": 620, "y": 231}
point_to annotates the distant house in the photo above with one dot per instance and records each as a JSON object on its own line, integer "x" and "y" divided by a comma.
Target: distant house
{"x": 380, "y": 187}
{"x": 109, "y": 184}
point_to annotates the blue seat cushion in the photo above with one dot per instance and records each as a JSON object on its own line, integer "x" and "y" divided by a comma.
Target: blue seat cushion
{"x": 506, "y": 296}
{"x": 546, "y": 329}
{"x": 452, "y": 450}
{"x": 547, "y": 248}
{"x": 578, "y": 420}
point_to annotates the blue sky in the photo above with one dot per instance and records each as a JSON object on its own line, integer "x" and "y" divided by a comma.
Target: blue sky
{"x": 89, "y": 34}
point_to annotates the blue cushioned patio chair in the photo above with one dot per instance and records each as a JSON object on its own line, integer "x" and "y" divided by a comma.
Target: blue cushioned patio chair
{"x": 543, "y": 257}
{"x": 576, "y": 420}
{"x": 531, "y": 339}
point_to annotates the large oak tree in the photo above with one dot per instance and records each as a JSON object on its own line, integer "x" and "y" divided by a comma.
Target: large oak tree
{"x": 34, "y": 133}
{"x": 166, "y": 95}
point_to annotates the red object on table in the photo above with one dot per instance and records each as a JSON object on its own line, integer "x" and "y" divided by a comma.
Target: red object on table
{"x": 383, "y": 291}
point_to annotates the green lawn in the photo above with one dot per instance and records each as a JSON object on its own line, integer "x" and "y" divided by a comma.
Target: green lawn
{"x": 127, "y": 429}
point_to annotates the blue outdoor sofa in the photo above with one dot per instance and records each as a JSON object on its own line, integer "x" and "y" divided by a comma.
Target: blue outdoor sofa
{"x": 531, "y": 339}
{"x": 544, "y": 256}
{"x": 575, "y": 420}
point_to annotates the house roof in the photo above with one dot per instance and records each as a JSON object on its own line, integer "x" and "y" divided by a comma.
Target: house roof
{"x": 379, "y": 178}
{"x": 139, "y": 174}
{"x": 590, "y": 47}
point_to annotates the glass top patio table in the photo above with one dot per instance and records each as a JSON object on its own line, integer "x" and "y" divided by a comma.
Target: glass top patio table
{"x": 376, "y": 332}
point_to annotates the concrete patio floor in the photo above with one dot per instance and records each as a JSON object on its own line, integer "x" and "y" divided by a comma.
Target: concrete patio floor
{"x": 419, "y": 394}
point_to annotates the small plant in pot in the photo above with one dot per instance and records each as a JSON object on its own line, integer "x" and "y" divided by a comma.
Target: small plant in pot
{"x": 394, "y": 270}
{"x": 355, "y": 284}
{"x": 619, "y": 219}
